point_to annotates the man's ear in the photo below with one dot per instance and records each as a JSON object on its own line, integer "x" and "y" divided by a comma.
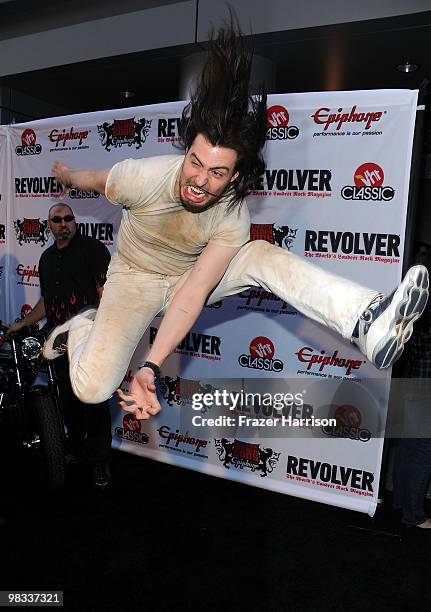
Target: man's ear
{"x": 235, "y": 176}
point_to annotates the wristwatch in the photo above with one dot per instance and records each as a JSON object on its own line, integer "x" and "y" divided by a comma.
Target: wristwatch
{"x": 152, "y": 366}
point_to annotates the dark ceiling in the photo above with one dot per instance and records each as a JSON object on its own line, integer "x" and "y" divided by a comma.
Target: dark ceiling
{"x": 360, "y": 55}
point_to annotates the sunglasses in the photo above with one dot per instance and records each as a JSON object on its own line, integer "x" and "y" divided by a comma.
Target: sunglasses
{"x": 58, "y": 219}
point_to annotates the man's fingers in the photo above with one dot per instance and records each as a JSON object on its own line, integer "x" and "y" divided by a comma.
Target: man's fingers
{"x": 126, "y": 397}
{"x": 121, "y": 394}
{"x": 128, "y": 402}
{"x": 139, "y": 413}
{"x": 141, "y": 409}
{"x": 124, "y": 406}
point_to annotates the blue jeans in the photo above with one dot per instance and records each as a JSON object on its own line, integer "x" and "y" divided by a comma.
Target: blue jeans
{"x": 411, "y": 474}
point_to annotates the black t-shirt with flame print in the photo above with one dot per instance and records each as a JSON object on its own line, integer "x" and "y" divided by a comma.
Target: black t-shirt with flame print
{"x": 70, "y": 277}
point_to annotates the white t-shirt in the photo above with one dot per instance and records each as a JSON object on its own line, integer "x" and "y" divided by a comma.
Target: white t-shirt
{"x": 156, "y": 233}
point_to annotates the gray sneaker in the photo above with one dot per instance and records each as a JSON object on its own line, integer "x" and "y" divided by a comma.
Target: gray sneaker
{"x": 387, "y": 323}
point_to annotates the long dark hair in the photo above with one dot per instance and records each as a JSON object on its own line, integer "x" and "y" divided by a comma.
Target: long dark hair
{"x": 223, "y": 111}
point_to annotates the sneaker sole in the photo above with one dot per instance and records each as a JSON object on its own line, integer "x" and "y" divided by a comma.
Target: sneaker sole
{"x": 409, "y": 307}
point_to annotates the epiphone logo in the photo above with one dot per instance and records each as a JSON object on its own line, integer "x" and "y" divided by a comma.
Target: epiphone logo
{"x": 307, "y": 355}
{"x": 324, "y": 116}
{"x": 27, "y": 272}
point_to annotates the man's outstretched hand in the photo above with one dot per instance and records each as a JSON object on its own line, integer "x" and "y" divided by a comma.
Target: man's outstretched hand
{"x": 62, "y": 175}
{"x": 142, "y": 398}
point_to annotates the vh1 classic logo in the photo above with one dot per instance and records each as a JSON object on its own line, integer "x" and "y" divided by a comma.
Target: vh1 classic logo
{"x": 261, "y": 356}
{"x": 131, "y": 430}
{"x": 368, "y": 178}
{"x": 349, "y": 424}
{"x": 28, "y": 145}
{"x": 82, "y": 194}
{"x": 277, "y": 124}
{"x": 25, "y": 310}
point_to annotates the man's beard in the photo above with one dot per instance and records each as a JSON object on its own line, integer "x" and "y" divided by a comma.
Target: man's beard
{"x": 65, "y": 235}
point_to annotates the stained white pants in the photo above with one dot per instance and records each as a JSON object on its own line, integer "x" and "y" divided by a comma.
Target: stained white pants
{"x": 100, "y": 351}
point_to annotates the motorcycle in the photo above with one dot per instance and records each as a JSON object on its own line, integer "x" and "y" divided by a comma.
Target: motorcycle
{"x": 29, "y": 401}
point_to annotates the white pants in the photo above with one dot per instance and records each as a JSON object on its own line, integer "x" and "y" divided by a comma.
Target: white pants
{"x": 100, "y": 351}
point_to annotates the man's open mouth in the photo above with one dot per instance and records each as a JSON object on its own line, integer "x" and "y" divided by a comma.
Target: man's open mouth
{"x": 194, "y": 194}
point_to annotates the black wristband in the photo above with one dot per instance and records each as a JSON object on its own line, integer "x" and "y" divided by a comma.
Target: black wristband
{"x": 152, "y": 366}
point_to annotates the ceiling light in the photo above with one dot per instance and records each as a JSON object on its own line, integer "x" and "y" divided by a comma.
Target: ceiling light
{"x": 407, "y": 67}
{"x": 127, "y": 94}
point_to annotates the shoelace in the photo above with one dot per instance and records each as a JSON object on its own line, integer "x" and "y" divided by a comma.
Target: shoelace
{"x": 61, "y": 348}
{"x": 367, "y": 315}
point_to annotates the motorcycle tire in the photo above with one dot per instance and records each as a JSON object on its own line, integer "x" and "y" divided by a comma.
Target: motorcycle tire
{"x": 50, "y": 430}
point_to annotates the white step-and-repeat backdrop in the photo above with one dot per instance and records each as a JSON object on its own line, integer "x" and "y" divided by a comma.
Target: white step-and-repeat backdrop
{"x": 335, "y": 191}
